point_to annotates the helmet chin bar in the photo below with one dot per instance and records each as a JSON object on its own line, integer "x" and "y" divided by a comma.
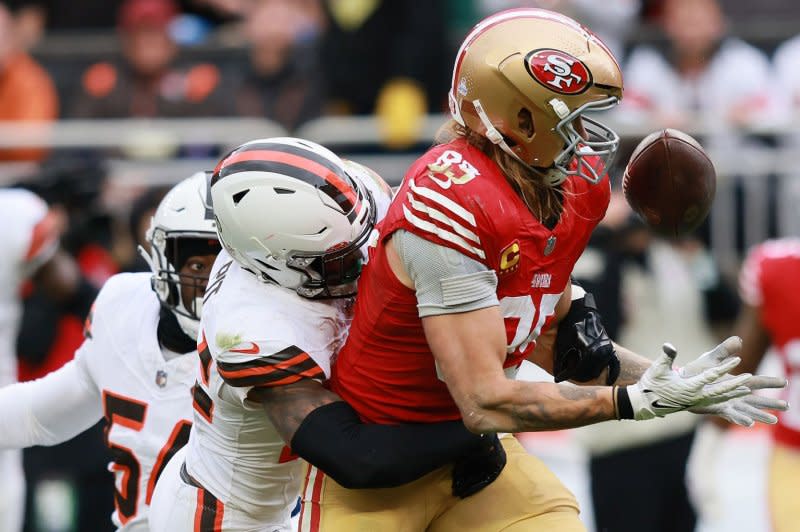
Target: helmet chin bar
{"x": 601, "y": 144}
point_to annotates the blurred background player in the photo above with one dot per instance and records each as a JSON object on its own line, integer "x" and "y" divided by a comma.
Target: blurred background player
{"x": 768, "y": 319}
{"x": 275, "y": 312}
{"x": 50, "y": 333}
{"x": 31, "y": 240}
{"x": 137, "y": 363}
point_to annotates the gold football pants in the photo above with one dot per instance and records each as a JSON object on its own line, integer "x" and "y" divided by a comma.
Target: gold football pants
{"x": 526, "y": 496}
{"x": 784, "y": 489}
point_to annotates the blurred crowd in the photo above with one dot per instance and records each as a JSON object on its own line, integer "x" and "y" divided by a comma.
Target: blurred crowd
{"x": 292, "y": 61}
{"x": 295, "y": 60}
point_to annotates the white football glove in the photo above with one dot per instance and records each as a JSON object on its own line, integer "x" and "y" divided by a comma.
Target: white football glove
{"x": 663, "y": 390}
{"x": 746, "y": 410}
{"x": 701, "y": 472}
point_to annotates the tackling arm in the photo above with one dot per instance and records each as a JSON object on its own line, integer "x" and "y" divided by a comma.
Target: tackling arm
{"x": 49, "y": 410}
{"x": 358, "y": 455}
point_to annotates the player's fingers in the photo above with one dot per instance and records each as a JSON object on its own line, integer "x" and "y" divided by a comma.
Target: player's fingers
{"x": 734, "y": 416}
{"x": 730, "y": 346}
{"x": 766, "y": 403}
{"x": 763, "y": 382}
{"x": 720, "y": 393}
{"x": 664, "y": 362}
{"x": 713, "y": 374}
{"x": 756, "y": 414}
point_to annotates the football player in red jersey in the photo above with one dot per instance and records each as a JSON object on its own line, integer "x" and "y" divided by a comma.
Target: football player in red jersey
{"x": 768, "y": 285}
{"x": 470, "y": 274}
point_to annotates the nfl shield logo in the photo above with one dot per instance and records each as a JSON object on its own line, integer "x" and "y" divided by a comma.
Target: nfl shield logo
{"x": 161, "y": 378}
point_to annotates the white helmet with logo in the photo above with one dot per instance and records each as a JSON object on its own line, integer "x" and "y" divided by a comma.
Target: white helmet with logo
{"x": 182, "y": 226}
{"x": 290, "y": 211}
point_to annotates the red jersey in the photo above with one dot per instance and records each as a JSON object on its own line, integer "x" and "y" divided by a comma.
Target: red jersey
{"x": 770, "y": 281}
{"x": 456, "y": 196}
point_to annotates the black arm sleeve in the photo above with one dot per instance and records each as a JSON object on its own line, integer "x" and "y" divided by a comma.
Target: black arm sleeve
{"x": 358, "y": 455}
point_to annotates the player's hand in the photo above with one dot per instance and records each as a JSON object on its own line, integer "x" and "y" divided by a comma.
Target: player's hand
{"x": 751, "y": 408}
{"x": 663, "y": 390}
{"x": 728, "y": 348}
{"x": 746, "y": 410}
{"x": 701, "y": 471}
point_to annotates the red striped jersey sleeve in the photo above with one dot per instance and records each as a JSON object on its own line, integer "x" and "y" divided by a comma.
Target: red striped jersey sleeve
{"x": 435, "y": 215}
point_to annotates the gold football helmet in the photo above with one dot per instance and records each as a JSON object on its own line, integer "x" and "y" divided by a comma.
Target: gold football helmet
{"x": 524, "y": 78}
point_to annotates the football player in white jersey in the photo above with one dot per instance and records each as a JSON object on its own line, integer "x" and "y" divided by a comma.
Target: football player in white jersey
{"x": 294, "y": 220}
{"x": 137, "y": 363}
{"x": 29, "y": 239}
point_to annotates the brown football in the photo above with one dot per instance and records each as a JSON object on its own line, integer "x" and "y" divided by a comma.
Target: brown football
{"x": 670, "y": 182}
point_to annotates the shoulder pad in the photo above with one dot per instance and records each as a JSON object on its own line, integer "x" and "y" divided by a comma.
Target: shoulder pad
{"x": 122, "y": 294}
{"x": 451, "y": 196}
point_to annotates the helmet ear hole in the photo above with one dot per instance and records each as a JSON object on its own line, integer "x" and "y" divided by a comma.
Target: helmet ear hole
{"x": 525, "y": 122}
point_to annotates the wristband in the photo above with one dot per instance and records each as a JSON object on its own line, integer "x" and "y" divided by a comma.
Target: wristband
{"x": 624, "y": 406}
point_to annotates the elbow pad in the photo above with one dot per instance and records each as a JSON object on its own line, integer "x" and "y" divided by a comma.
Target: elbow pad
{"x": 583, "y": 349}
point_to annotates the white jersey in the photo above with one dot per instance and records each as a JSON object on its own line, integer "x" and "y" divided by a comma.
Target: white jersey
{"x": 254, "y": 335}
{"x": 28, "y": 238}
{"x": 119, "y": 373}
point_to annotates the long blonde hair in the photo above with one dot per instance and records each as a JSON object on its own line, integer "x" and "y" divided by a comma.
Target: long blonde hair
{"x": 544, "y": 201}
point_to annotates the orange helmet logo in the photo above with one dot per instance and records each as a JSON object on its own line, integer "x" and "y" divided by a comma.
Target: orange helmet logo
{"x": 558, "y": 71}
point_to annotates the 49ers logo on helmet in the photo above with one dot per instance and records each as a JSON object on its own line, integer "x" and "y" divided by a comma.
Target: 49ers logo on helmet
{"x": 558, "y": 71}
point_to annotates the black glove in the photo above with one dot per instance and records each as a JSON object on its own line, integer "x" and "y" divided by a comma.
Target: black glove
{"x": 583, "y": 349}
{"x": 476, "y": 470}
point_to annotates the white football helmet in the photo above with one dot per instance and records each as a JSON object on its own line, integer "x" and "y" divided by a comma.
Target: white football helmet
{"x": 289, "y": 211}
{"x": 182, "y": 226}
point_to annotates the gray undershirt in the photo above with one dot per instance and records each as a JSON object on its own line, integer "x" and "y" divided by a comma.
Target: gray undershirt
{"x": 445, "y": 281}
